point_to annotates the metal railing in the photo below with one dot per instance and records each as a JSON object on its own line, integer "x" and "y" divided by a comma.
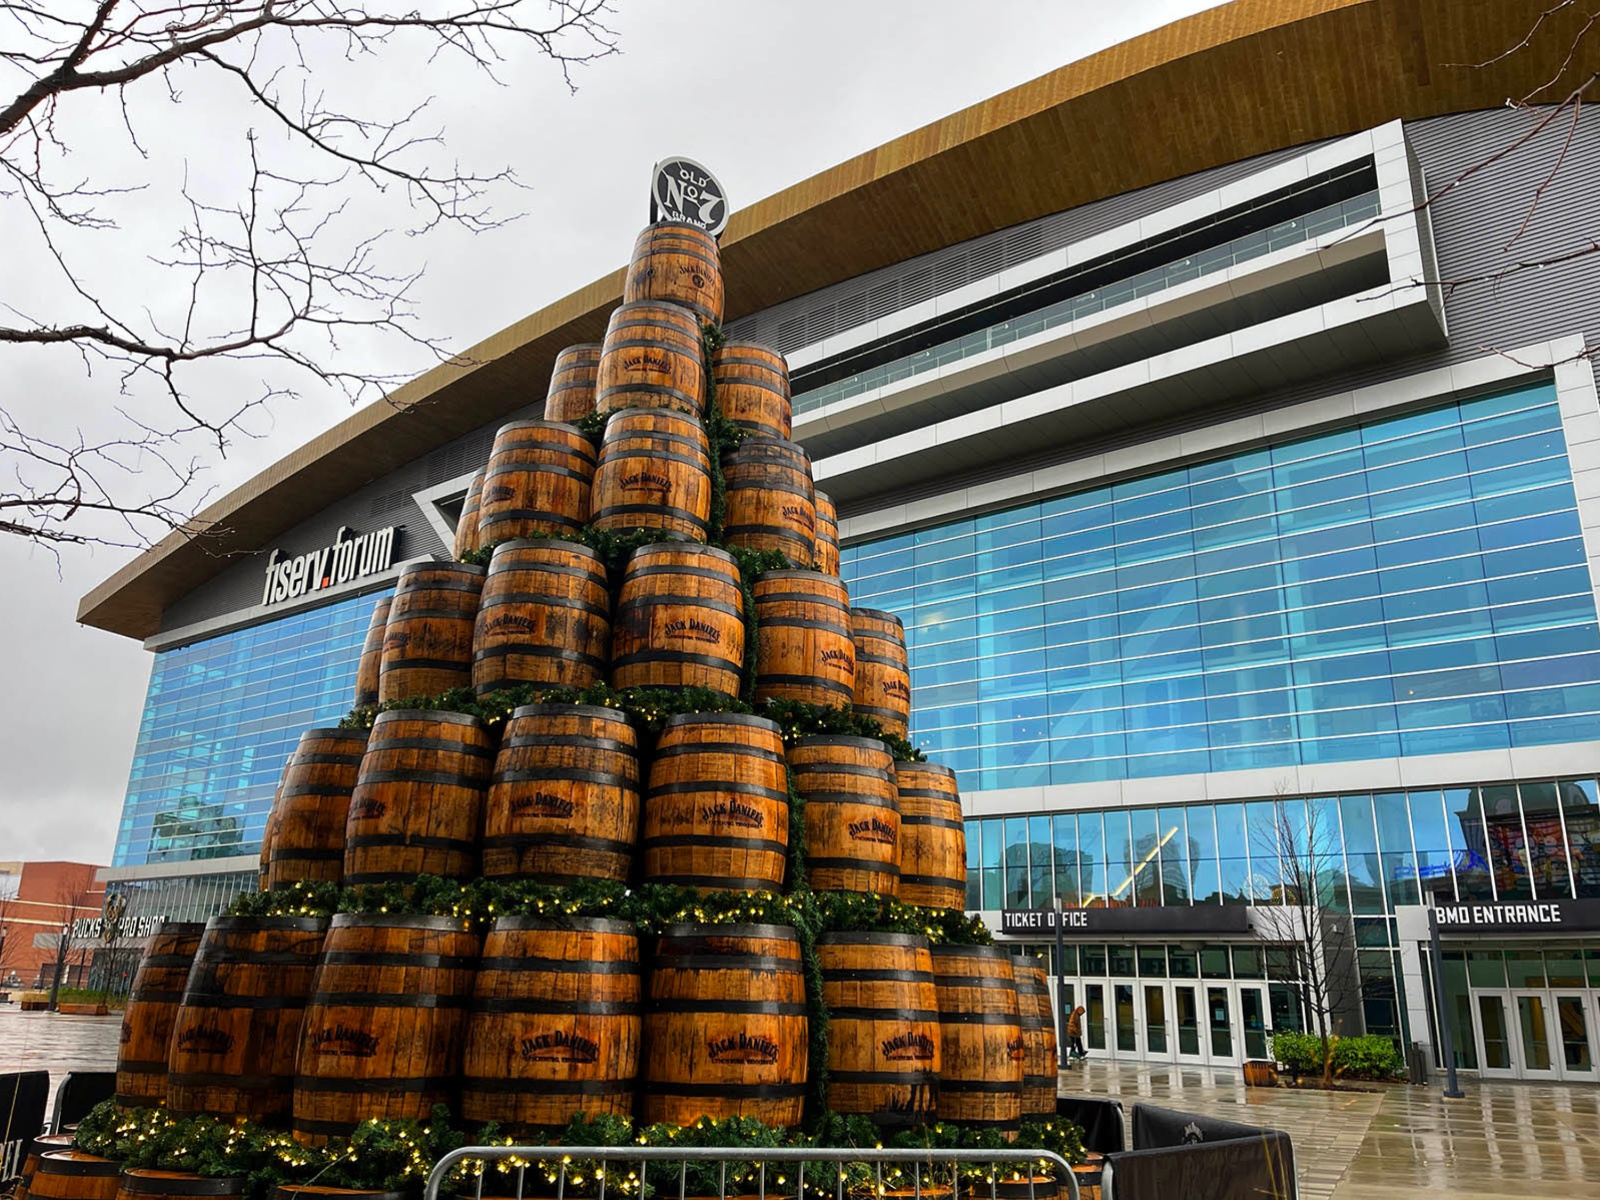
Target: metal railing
{"x": 946, "y": 1183}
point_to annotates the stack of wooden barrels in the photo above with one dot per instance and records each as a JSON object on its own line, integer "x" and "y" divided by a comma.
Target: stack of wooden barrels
{"x": 320, "y": 1024}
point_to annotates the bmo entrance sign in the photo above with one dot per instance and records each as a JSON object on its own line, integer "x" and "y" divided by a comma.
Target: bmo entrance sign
{"x": 1547, "y": 916}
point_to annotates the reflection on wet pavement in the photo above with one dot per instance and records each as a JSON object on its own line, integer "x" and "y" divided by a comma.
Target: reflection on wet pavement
{"x": 58, "y": 1043}
{"x": 1504, "y": 1139}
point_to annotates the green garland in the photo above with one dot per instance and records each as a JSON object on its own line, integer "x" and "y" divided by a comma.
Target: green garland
{"x": 395, "y": 1155}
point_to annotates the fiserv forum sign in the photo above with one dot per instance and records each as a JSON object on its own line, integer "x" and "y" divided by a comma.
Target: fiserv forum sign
{"x": 351, "y": 556}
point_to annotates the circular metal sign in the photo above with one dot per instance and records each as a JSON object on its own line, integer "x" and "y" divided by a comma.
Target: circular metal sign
{"x": 682, "y": 190}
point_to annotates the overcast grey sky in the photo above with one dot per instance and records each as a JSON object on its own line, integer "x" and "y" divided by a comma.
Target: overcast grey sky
{"x": 765, "y": 93}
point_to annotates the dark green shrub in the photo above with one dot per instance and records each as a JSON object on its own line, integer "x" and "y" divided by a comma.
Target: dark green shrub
{"x": 1370, "y": 1057}
{"x": 1300, "y": 1052}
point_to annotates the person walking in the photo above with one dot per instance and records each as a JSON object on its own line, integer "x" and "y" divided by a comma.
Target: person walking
{"x": 1075, "y": 1032}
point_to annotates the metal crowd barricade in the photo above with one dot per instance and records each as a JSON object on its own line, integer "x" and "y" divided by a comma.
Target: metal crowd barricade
{"x": 762, "y": 1158}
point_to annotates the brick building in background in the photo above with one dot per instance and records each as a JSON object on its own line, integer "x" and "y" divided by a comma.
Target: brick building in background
{"x": 36, "y": 900}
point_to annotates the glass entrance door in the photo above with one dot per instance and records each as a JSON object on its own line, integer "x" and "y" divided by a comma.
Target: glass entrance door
{"x": 1187, "y": 1025}
{"x": 1219, "y": 1026}
{"x": 1253, "y": 1020}
{"x": 1575, "y": 1051}
{"x": 1536, "y": 1034}
{"x": 1494, "y": 1036}
{"x": 1157, "y": 1022}
{"x": 1533, "y": 1035}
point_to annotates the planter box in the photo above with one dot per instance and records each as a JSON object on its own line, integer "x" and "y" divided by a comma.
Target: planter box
{"x": 83, "y": 1010}
{"x": 34, "y": 1004}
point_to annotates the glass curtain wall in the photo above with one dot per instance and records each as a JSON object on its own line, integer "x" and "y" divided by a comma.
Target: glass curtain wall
{"x": 1415, "y": 585}
{"x": 220, "y": 718}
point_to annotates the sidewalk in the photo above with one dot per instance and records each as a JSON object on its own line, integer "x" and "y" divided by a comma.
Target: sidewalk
{"x": 1504, "y": 1139}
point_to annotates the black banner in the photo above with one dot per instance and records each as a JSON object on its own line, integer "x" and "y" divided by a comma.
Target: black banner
{"x": 1544, "y": 916}
{"x": 1092, "y": 922}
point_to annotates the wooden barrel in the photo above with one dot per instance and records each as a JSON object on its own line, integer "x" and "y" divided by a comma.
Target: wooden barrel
{"x": 385, "y": 1025}
{"x": 563, "y": 804}
{"x": 571, "y": 394}
{"x": 269, "y": 831}
{"x": 1021, "y": 1183}
{"x": 652, "y": 358}
{"x": 539, "y": 479}
{"x": 74, "y": 1175}
{"x": 1260, "y": 1072}
{"x": 555, "y": 1024}
{"x": 725, "y": 1026}
{"x": 545, "y": 617}
{"x": 852, "y": 813}
{"x": 148, "y": 1183}
{"x": 769, "y": 497}
{"x": 1089, "y": 1175}
{"x": 805, "y": 650}
{"x": 679, "y": 263}
{"x": 883, "y": 680}
{"x": 827, "y": 534}
{"x": 654, "y": 473}
{"x": 716, "y": 814}
{"x": 883, "y": 1026}
{"x": 933, "y": 838}
{"x": 1040, "y": 1062}
{"x": 370, "y": 665}
{"x": 467, "y": 538}
{"x": 980, "y": 1036}
{"x": 237, "y": 1030}
{"x": 38, "y": 1148}
{"x": 753, "y": 387}
{"x": 427, "y": 641}
{"x": 147, "y": 1021}
{"x": 315, "y": 804}
{"x": 679, "y": 620}
{"x": 418, "y": 799}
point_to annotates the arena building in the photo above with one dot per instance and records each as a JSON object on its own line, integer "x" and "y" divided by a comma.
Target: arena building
{"x": 1188, "y": 405}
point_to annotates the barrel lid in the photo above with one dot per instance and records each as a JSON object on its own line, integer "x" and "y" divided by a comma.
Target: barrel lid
{"x": 857, "y": 937}
{"x": 455, "y": 568}
{"x": 879, "y": 613}
{"x": 179, "y": 1183}
{"x": 765, "y": 441}
{"x": 971, "y": 951}
{"x": 685, "y": 226}
{"x": 339, "y": 735}
{"x": 906, "y": 764}
{"x": 45, "y": 1142}
{"x": 291, "y": 924}
{"x": 680, "y": 547}
{"x": 400, "y": 921}
{"x": 843, "y": 739}
{"x": 496, "y": 563}
{"x": 77, "y": 1162}
{"x": 692, "y": 929}
{"x": 534, "y": 423}
{"x": 721, "y": 718}
{"x": 598, "y": 711}
{"x": 426, "y": 714}
{"x": 586, "y": 924}
{"x": 580, "y": 346}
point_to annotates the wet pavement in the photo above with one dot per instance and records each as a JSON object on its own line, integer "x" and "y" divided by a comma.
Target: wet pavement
{"x": 1504, "y": 1139}
{"x": 58, "y": 1043}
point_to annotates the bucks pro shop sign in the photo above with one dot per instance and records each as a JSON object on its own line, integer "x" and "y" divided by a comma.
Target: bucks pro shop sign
{"x": 682, "y": 190}
{"x": 351, "y": 556}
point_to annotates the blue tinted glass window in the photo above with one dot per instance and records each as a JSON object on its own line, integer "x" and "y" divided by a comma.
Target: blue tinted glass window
{"x": 1415, "y": 585}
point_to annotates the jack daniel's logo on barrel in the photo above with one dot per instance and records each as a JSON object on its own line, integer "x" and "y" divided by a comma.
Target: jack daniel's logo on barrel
{"x": 647, "y": 479}
{"x": 645, "y": 360}
{"x": 520, "y": 621}
{"x": 742, "y": 1048}
{"x": 911, "y": 1045}
{"x": 368, "y": 808}
{"x": 732, "y": 811}
{"x": 682, "y": 190}
{"x": 543, "y": 804}
{"x": 1017, "y": 1049}
{"x": 898, "y": 688}
{"x": 841, "y": 659}
{"x": 694, "y": 629}
{"x": 559, "y": 1045}
{"x": 344, "y": 1042}
{"x": 872, "y": 830}
{"x": 205, "y": 1039}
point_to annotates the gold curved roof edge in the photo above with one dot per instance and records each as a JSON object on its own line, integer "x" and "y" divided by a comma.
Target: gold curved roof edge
{"x": 1229, "y": 83}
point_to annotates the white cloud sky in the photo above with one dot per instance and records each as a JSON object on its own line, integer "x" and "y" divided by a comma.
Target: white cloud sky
{"x": 765, "y": 93}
